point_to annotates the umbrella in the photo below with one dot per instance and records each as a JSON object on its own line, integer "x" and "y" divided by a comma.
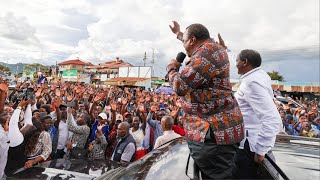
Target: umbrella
{"x": 166, "y": 90}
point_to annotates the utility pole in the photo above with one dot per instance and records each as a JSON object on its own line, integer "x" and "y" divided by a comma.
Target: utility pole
{"x": 144, "y": 58}
{"x": 152, "y": 62}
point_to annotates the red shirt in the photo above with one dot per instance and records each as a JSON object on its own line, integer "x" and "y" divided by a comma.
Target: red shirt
{"x": 178, "y": 129}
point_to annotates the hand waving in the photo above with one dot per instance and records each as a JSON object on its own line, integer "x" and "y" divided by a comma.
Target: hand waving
{"x": 175, "y": 28}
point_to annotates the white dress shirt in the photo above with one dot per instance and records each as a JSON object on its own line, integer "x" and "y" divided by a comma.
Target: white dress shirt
{"x": 262, "y": 120}
{"x": 166, "y": 137}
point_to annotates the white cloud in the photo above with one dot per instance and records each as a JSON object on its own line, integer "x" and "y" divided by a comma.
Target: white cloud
{"x": 99, "y": 30}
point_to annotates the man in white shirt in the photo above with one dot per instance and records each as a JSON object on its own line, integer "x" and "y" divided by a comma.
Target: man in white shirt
{"x": 168, "y": 134}
{"x": 261, "y": 119}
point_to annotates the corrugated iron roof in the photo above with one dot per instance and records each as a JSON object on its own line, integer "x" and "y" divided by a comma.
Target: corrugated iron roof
{"x": 115, "y": 64}
{"x": 76, "y": 62}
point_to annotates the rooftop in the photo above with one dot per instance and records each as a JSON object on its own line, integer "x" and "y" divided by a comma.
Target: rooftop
{"x": 76, "y": 62}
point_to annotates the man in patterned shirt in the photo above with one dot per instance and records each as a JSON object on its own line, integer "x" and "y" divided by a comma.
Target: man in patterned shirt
{"x": 212, "y": 119}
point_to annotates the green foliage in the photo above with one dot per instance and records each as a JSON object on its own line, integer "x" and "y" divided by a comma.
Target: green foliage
{"x": 35, "y": 68}
{"x": 274, "y": 75}
{"x": 4, "y": 68}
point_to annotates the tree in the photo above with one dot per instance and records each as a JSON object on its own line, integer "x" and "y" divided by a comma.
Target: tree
{"x": 35, "y": 68}
{"x": 4, "y": 68}
{"x": 274, "y": 75}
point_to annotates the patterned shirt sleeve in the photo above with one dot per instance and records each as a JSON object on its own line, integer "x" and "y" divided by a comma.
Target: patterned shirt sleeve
{"x": 45, "y": 140}
{"x": 189, "y": 78}
{"x": 73, "y": 127}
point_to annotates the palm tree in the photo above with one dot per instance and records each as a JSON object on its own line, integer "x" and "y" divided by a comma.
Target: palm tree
{"x": 274, "y": 75}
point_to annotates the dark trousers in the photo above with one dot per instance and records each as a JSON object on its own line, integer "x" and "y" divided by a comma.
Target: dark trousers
{"x": 245, "y": 167}
{"x": 59, "y": 154}
{"x": 214, "y": 161}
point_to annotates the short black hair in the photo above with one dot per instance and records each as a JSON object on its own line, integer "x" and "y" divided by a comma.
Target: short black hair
{"x": 47, "y": 107}
{"x": 199, "y": 31}
{"x": 253, "y": 57}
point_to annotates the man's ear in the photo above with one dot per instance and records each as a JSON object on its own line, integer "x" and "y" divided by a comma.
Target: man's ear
{"x": 245, "y": 62}
{"x": 193, "y": 40}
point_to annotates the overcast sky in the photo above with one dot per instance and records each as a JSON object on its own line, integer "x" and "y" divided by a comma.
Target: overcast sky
{"x": 286, "y": 32}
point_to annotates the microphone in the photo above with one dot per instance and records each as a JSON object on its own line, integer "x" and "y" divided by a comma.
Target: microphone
{"x": 180, "y": 57}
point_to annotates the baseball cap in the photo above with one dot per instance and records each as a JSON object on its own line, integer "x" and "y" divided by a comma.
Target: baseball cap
{"x": 119, "y": 117}
{"x": 103, "y": 116}
{"x": 127, "y": 113}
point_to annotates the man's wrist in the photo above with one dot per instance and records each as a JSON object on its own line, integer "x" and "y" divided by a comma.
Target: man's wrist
{"x": 179, "y": 35}
{"x": 172, "y": 69}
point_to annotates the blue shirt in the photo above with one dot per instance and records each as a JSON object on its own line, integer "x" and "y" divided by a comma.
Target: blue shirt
{"x": 156, "y": 125}
{"x": 94, "y": 129}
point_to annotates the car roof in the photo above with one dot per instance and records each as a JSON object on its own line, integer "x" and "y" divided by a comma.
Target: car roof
{"x": 170, "y": 161}
{"x": 65, "y": 169}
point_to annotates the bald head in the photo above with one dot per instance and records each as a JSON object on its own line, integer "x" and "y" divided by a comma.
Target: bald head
{"x": 167, "y": 123}
{"x": 125, "y": 126}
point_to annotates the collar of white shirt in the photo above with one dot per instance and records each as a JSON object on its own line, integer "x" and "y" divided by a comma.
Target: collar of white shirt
{"x": 168, "y": 132}
{"x": 250, "y": 72}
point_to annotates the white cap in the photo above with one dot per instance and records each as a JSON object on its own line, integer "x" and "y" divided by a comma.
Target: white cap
{"x": 119, "y": 117}
{"x": 103, "y": 115}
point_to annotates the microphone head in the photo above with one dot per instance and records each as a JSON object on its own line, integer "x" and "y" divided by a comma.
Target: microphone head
{"x": 180, "y": 57}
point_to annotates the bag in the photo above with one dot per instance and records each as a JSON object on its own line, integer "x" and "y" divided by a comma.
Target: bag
{"x": 78, "y": 154}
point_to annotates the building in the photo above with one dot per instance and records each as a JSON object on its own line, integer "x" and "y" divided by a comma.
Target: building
{"x": 105, "y": 71}
{"x": 71, "y": 70}
{"x": 73, "y": 64}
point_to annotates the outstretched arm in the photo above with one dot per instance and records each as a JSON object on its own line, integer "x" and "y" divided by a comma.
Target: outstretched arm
{"x": 176, "y": 30}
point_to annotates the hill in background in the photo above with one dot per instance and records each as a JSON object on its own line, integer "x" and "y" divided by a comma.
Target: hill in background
{"x": 14, "y": 68}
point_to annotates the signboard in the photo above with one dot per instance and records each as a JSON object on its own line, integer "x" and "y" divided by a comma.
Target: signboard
{"x": 73, "y": 73}
{"x": 137, "y": 71}
{"x": 30, "y": 74}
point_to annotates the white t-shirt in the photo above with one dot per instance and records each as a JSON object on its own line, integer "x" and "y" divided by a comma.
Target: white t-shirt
{"x": 63, "y": 135}
{"x": 138, "y": 136}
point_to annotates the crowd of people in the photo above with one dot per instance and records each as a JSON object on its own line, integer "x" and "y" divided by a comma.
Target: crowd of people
{"x": 44, "y": 121}
{"x": 302, "y": 119}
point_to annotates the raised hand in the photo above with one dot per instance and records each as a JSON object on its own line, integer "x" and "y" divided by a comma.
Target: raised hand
{"x": 175, "y": 28}
{"x": 57, "y": 102}
{"x": 100, "y": 128}
{"x": 114, "y": 106}
{"x": 154, "y": 107}
{"x": 221, "y": 41}
{"x": 23, "y": 103}
{"x": 174, "y": 112}
{"x": 3, "y": 87}
{"x": 179, "y": 103}
{"x": 38, "y": 93}
{"x": 124, "y": 101}
{"x": 69, "y": 97}
{"x": 141, "y": 100}
{"x": 141, "y": 108}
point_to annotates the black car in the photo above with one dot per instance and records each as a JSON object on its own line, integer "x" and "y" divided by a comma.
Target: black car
{"x": 67, "y": 169}
{"x": 296, "y": 158}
